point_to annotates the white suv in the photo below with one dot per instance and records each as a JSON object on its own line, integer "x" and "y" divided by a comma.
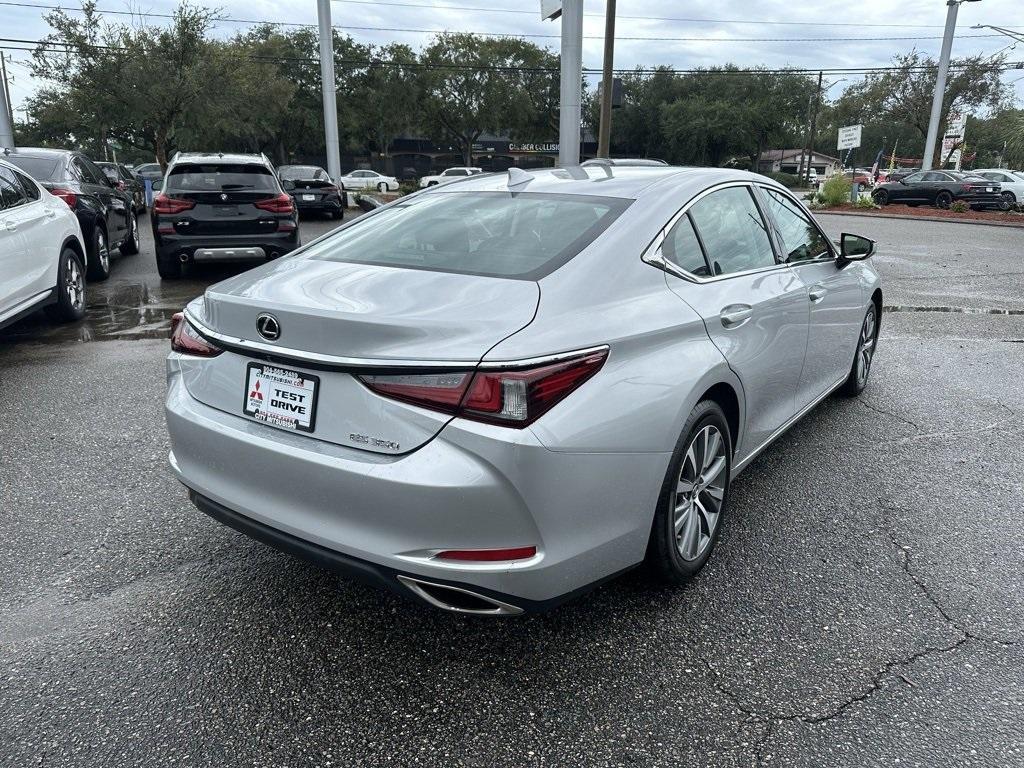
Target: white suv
{"x": 42, "y": 254}
{"x": 451, "y": 174}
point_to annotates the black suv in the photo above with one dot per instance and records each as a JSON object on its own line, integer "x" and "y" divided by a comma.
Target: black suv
{"x": 220, "y": 207}
{"x": 104, "y": 212}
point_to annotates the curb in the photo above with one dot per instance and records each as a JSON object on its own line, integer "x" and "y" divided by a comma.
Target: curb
{"x": 943, "y": 219}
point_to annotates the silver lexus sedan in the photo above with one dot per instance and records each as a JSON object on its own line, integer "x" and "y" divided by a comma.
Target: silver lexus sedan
{"x": 495, "y": 394}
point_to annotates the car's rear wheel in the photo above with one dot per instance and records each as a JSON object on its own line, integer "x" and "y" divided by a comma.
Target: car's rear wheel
{"x": 130, "y": 246}
{"x": 382, "y": 187}
{"x": 881, "y": 197}
{"x": 863, "y": 357}
{"x": 693, "y": 497}
{"x": 169, "y": 267}
{"x": 70, "y": 288}
{"x": 943, "y": 200}
{"x": 98, "y": 258}
{"x": 1007, "y": 200}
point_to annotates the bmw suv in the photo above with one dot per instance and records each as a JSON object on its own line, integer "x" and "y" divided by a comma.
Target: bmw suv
{"x": 221, "y": 207}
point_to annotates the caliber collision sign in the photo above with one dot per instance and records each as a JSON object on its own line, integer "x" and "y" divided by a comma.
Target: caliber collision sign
{"x": 849, "y": 136}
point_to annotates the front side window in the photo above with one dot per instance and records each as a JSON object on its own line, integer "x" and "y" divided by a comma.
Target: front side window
{"x": 801, "y": 238}
{"x": 683, "y": 249}
{"x": 734, "y": 234}
{"x": 914, "y": 178}
{"x": 518, "y": 235}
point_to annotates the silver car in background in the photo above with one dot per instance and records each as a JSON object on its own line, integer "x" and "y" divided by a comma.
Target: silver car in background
{"x": 495, "y": 394}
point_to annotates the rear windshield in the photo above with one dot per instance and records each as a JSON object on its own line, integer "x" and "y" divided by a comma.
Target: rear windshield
{"x": 496, "y": 234}
{"x": 39, "y": 168}
{"x": 300, "y": 172}
{"x": 109, "y": 170}
{"x": 219, "y": 177}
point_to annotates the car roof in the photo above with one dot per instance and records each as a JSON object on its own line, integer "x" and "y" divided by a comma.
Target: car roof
{"x": 605, "y": 181}
{"x": 40, "y": 152}
{"x": 228, "y": 158}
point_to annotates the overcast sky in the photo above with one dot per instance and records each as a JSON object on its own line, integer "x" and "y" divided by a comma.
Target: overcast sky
{"x": 744, "y": 19}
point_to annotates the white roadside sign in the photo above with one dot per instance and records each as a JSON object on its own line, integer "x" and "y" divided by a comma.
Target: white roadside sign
{"x": 849, "y": 136}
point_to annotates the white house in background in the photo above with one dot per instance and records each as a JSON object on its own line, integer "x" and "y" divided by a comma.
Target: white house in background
{"x": 788, "y": 161}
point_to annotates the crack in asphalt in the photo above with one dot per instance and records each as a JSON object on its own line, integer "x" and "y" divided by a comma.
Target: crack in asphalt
{"x": 871, "y": 406}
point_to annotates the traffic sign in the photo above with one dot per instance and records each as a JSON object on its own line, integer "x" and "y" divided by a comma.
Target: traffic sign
{"x": 849, "y": 136}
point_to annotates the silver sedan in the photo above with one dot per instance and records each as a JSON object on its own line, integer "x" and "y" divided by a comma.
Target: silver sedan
{"x": 494, "y": 394}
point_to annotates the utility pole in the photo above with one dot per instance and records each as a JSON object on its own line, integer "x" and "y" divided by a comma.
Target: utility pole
{"x": 814, "y": 125}
{"x": 604, "y": 137}
{"x": 572, "y": 83}
{"x": 323, "y": 15}
{"x": 940, "y": 82}
{"x": 6, "y": 113}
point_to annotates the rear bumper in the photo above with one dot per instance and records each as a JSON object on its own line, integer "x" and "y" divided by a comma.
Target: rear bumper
{"x": 379, "y": 516}
{"x": 331, "y": 204}
{"x": 273, "y": 243}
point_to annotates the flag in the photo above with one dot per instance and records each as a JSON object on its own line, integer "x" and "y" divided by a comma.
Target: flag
{"x": 874, "y": 167}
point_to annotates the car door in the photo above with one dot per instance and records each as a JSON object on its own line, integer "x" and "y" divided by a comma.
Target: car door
{"x": 15, "y": 262}
{"x": 908, "y": 188}
{"x": 115, "y": 201}
{"x": 754, "y": 308}
{"x": 835, "y": 297}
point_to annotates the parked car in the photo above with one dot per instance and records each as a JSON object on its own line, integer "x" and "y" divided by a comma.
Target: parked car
{"x": 363, "y": 179}
{"x": 623, "y": 162}
{"x": 312, "y": 189}
{"x": 221, "y": 207}
{"x": 126, "y": 181}
{"x": 493, "y": 397}
{"x": 104, "y": 212}
{"x": 1011, "y": 185}
{"x": 42, "y": 253}
{"x": 151, "y": 171}
{"x": 449, "y": 174}
{"x": 859, "y": 176}
{"x": 938, "y": 188}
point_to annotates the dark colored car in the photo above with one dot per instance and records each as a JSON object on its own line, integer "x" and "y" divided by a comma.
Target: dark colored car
{"x": 312, "y": 189}
{"x": 104, "y": 212}
{"x": 221, "y": 207}
{"x": 126, "y": 181}
{"x": 939, "y": 188}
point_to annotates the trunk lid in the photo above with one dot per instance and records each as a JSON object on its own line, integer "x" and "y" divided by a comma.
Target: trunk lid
{"x": 348, "y": 310}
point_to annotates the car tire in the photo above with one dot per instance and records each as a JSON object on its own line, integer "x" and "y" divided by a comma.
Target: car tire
{"x": 867, "y": 341}
{"x": 382, "y": 187}
{"x": 1007, "y": 201}
{"x": 943, "y": 200}
{"x": 130, "y": 246}
{"x": 881, "y": 197}
{"x": 70, "y": 288}
{"x": 168, "y": 267}
{"x": 97, "y": 266}
{"x": 685, "y": 528}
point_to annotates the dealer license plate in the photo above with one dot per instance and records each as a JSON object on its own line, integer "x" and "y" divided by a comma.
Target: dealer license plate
{"x": 281, "y": 397}
{"x": 309, "y": 197}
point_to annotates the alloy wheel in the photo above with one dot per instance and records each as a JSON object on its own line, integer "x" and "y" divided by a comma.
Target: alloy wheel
{"x": 1007, "y": 201}
{"x": 700, "y": 492}
{"x": 135, "y": 231}
{"x": 102, "y": 251}
{"x": 944, "y": 200}
{"x": 866, "y": 347}
{"x": 74, "y": 283}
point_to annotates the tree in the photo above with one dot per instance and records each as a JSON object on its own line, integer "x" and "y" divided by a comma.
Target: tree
{"x": 386, "y": 93}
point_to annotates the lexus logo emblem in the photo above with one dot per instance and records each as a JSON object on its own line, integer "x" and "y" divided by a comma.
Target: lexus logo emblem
{"x": 223, "y": 196}
{"x": 268, "y": 327}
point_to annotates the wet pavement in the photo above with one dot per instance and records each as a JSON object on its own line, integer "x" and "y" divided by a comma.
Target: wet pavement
{"x": 864, "y": 608}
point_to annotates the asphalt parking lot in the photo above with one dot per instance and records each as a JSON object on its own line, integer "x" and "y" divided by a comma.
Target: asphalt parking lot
{"x": 865, "y": 606}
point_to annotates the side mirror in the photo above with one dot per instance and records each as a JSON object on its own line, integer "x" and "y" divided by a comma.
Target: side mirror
{"x": 855, "y": 247}
{"x": 157, "y": 184}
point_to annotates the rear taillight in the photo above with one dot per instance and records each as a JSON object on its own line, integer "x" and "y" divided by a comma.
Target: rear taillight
{"x": 969, "y": 187}
{"x": 171, "y": 205}
{"x": 66, "y": 195}
{"x": 185, "y": 340}
{"x": 280, "y": 204}
{"x": 329, "y": 190}
{"x": 511, "y": 398}
{"x": 487, "y": 555}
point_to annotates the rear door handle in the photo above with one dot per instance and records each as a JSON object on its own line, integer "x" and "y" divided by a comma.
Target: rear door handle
{"x": 817, "y": 293}
{"x": 735, "y": 315}
{"x": 10, "y": 226}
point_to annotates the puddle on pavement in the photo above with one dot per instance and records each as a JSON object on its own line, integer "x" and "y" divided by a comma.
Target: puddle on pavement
{"x": 116, "y": 310}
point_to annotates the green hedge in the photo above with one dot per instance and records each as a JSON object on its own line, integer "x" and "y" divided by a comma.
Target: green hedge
{"x": 835, "y": 191}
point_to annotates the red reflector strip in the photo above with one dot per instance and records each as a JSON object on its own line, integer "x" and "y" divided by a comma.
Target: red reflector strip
{"x": 487, "y": 555}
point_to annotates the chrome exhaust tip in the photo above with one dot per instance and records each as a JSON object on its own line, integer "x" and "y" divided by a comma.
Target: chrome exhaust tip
{"x": 183, "y": 257}
{"x": 457, "y": 599}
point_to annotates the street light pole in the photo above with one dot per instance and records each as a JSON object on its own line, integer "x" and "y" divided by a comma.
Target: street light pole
{"x": 940, "y": 83}
{"x": 323, "y": 15}
{"x": 572, "y": 83}
{"x": 6, "y": 121}
{"x": 604, "y": 137}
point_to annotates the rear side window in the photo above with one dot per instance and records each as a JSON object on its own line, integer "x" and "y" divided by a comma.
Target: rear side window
{"x": 496, "y": 234}
{"x": 682, "y": 248}
{"x": 214, "y": 177}
{"x": 734, "y": 234}
{"x": 11, "y": 193}
{"x": 28, "y": 186}
{"x": 41, "y": 168}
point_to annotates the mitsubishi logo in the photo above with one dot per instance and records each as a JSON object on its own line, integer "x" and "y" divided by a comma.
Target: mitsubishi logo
{"x": 268, "y": 327}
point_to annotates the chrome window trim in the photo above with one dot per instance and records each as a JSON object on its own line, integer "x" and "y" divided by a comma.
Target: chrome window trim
{"x": 810, "y": 217}
{"x": 652, "y": 254}
{"x": 303, "y": 358}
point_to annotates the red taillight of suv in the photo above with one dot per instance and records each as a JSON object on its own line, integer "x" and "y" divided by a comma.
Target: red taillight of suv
{"x": 185, "y": 340}
{"x": 280, "y": 204}
{"x": 512, "y": 398}
{"x": 171, "y": 205}
{"x": 66, "y": 195}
